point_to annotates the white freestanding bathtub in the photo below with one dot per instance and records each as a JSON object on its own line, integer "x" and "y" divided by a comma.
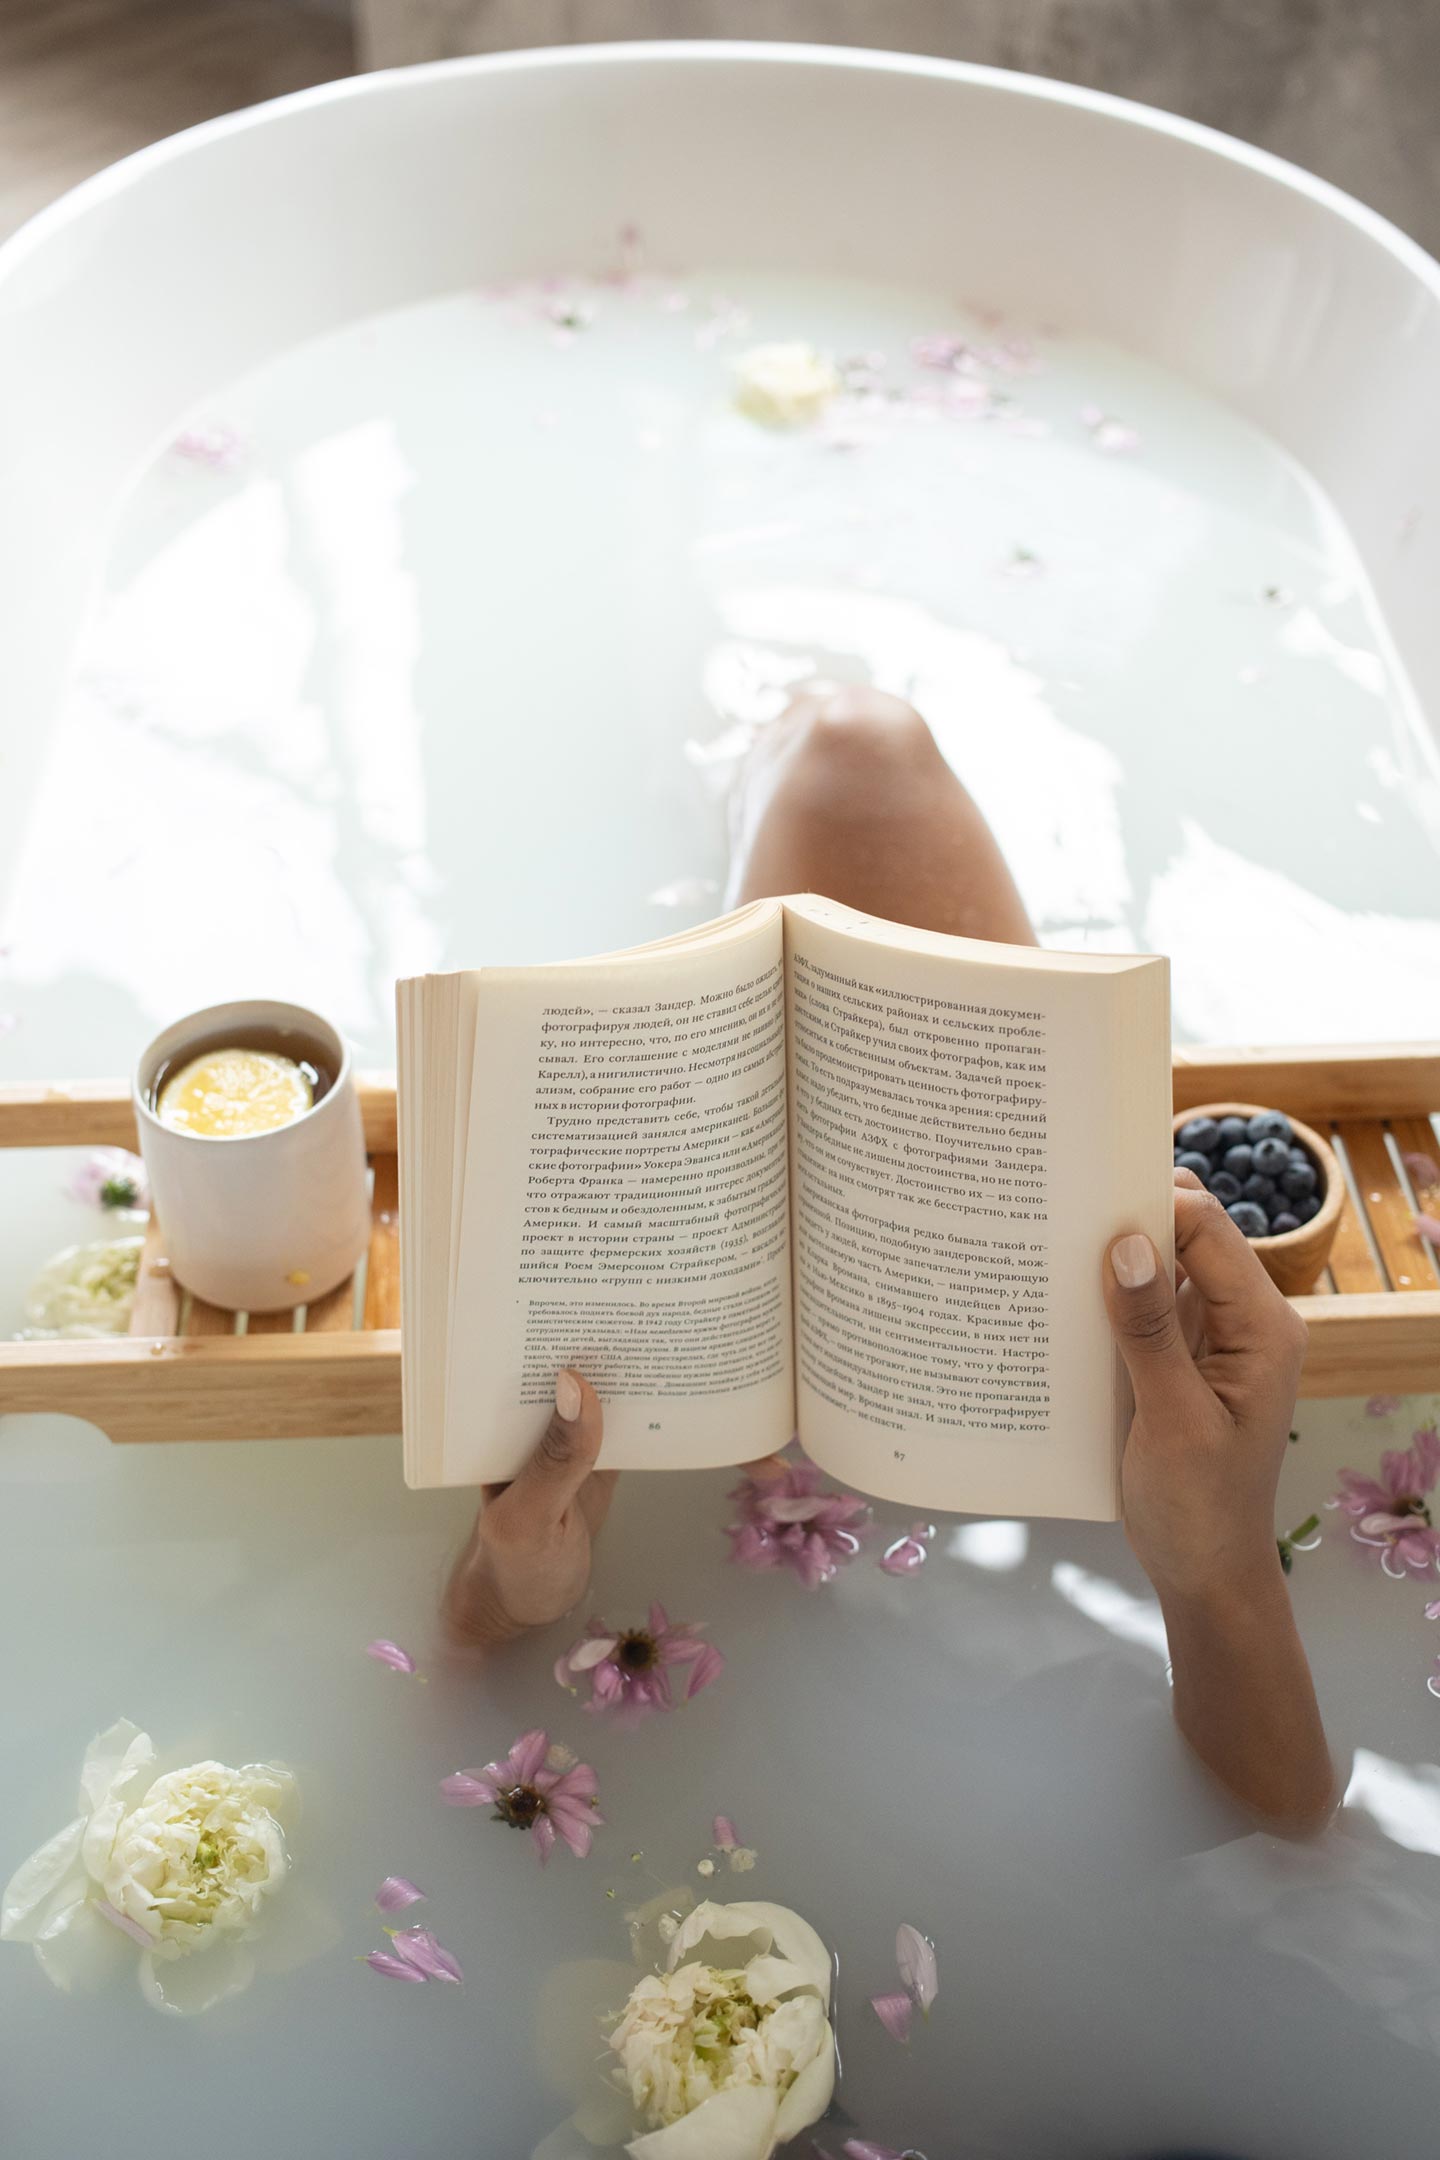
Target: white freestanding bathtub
{"x": 983, "y": 1750}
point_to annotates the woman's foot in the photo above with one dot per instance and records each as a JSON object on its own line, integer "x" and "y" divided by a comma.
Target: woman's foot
{"x": 848, "y": 795}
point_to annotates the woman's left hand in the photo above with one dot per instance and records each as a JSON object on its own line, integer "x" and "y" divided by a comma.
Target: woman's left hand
{"x": 528, "y": 1560}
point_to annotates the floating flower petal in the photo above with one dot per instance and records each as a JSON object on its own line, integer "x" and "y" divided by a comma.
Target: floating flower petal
{"x": 419, "y": 1947}
{"x": 396, "y": 1892}
{"x": 919, "y": 1969}
{"x": 894, "y": 2013}
{"x": 393, "y": 1968}
{"x": 391, "y": 1654}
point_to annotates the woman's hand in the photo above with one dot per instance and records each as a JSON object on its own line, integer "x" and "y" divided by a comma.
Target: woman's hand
{"x": 1215, "y": 1373}
{"x": 528, "y": 1560}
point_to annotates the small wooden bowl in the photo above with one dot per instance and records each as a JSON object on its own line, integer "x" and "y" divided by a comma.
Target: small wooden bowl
{"x": 1295, "y": 1260}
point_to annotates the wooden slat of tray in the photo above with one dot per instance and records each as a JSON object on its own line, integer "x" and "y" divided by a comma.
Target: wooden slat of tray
{"x": 1380, "y": 1344}
{"x": 156, "y": 1310}
{"x": 202, "y": 1319}
{"x": 332, "y": 1315}
{"x": 1417, "y": 1136}
{"x": 382, "y": 1270}
{"x": 1353, "y": 1266}
{"x": 1314, "y": 1083}
{"x": 1387, "y": 1209}
{"x": 99, "y": 1113}
{"x": 223, "y": 1387}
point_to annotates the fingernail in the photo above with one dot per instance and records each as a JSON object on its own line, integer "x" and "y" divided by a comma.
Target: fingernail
{"x": 568, "y": 1398}
{"x": 1133, "y": 1259}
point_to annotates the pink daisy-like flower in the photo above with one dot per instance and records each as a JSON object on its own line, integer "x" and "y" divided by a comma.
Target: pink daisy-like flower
{"x": 1390, "y": 1512}
{"x": 629, "y": 1668}
{"x": 788, "y": 1519}
{"x": 111, "y": 1177}
{"x": 529, "y": 1793}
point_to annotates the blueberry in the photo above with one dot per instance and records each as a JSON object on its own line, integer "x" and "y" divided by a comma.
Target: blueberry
{"x": 1249, "y": 1219}
{"x": 1202, "y": 1166}
{"x": 1298, "y": 1155}
{"x": 1269, "y": 1125}
{"x": 1259, "y": 1191}
{"x": 1308, "y": 1208}
{"x": 1240, "y": 1160}
{"x": 1232, "y": 1131}
{"x": 1225, "y": 1187}
{"x": 1271, "y": 1157}
{"x": 1298, "y": 1180}
{"x": 1201, "y": 1135}
{"x": 1281, "y": 1225}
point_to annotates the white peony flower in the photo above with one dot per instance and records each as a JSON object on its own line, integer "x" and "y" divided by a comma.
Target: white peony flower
{"x": 182, "y": 1864}
{"x": 84, "y": 1291}
{"x": 784, "y": 385}
{"x": 726, "y": 2056}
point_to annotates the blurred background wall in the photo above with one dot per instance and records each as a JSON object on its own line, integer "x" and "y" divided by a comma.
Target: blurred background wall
{"x": 1349, "y": 88}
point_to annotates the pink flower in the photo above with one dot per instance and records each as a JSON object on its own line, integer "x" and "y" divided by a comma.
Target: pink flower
{"x": 391, "y": 1654}
{"x": 214, "y": 443}
{"x": 789, "y": 1520}
{"x": 629, "y": 1669}
{"x": 1382, "y": 1406}
{"x": 1389, "y": 1512}
{"x": 908, "y": 1553}
{"x": 1424, "y": 1170}
{"x": 529, "y": 1793}
{"x": 111, "y": 1178}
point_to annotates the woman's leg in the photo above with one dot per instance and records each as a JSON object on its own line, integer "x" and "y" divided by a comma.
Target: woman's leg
{"x": 847, "y": 795}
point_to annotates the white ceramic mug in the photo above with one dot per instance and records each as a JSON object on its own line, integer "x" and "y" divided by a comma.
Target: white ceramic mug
{"x": 258, "y": 1222}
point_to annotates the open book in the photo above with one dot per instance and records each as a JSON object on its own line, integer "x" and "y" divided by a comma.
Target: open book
{"x": 797, "y": 1169}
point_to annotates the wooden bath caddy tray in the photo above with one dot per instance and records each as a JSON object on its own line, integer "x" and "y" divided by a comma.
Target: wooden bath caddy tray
{"x": 189, "y": 1371}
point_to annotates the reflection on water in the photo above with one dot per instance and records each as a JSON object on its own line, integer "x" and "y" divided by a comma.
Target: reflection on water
{"x": 473, "y": 576}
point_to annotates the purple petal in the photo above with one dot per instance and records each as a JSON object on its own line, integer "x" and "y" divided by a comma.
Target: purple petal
{"x": 919, "y": 1969}
{"x": 542, "y": 1831}
{"x": 726, "y": 1837}
{"x": 903, "y": 1557}
{"x": 464, "y": 1789}
{"x": 1382, "y": 1406}
{"x": 707, "y": 1668}
{"x": 527, "y": 1756}
{"x": 418, "y": 1947}
{"x": 894, "y": 2013}
{"x": 390, "y": 1653}
{"x": 659, "y": 1620}
{"x": 397, "y": 1891}
{"x": 1423, "y": 1169}
{"x": 1429, "y": 1228}
{"x": 126, "y": 1925}
{"x": 1432, "y": 1611}
{"x": 393, "y": 1968}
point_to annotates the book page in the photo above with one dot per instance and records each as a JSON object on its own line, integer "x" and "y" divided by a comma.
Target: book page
{"x": 970, "y": 1125}
{"x": 626, "y": 1206}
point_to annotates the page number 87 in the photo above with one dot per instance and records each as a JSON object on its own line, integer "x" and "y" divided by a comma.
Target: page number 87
{"x": 899, "y": 1454}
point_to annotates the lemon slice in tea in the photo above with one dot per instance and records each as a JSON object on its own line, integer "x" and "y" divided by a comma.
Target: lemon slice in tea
{"x": 229, "y": 1092}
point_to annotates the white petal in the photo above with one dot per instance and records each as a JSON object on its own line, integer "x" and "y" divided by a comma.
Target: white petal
{"x": 79, "y": 1949}
{"x": 768, "y": 1978}
{"x": 593, "y": 1651}
{"x": 776, "y": 1927}
{"x": 735, "y": 2125}
{"x": 111, "y": 1760}
{"x": 810, "y": 2094}
{"x": 185, "y": 1986}
{"x": 41, "y": 1886}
